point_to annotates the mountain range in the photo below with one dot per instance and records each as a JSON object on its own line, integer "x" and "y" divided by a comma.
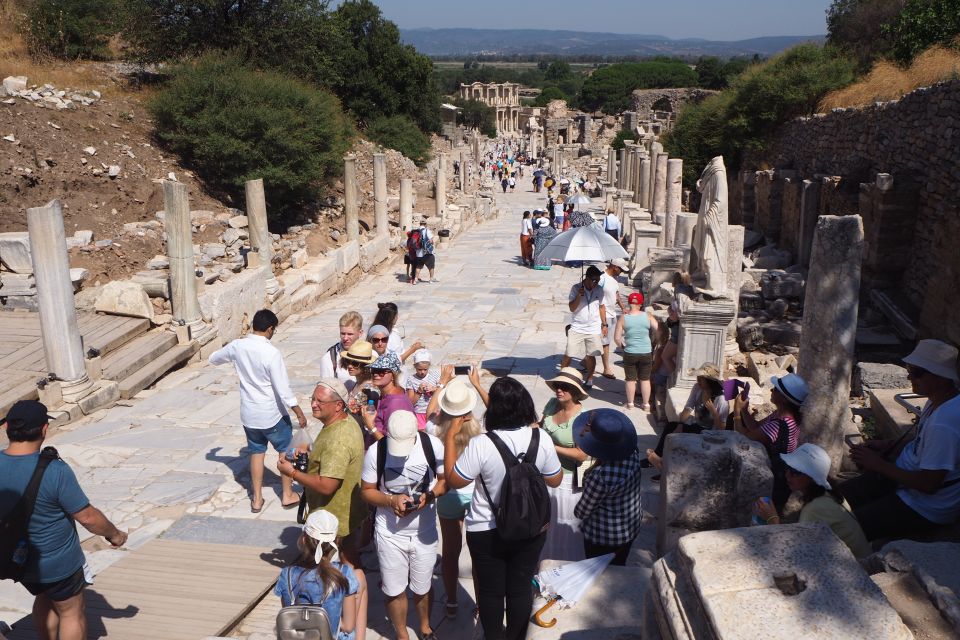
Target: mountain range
{"x": 506, "y": 42}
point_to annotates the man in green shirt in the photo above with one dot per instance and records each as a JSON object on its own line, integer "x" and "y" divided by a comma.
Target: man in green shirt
{"x": 332, "y": 479}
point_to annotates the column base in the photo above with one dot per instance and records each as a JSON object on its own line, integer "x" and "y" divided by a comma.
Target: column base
{"x": 74, "y": 390}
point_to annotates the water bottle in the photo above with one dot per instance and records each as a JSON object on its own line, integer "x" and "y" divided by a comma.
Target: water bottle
{"x": 756, "y": 519}
{"x": 371, "y": 408}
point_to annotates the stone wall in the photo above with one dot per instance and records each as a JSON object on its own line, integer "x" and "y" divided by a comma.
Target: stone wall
{"x": 915, "y": 141}
{"x": 644, "y": 99}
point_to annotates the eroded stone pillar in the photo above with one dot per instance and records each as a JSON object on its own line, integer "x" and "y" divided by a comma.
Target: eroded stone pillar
{"x": 639, "y": 155}
{"x": 183, "y": 272}
{"x": 611, "y": 166}
{"x": 622, "y": 169}
{"x": 59, "y": 329}
{"x": 441, "y": 190}
{"x": 809, "y": 212}
{"x": 380, "y": 193}
{"x": 462, "y": 173}
{"x": 644, "y": 192}
{"x": 660, "y": 196}
{"x": 406, "y": 204}
{"x": 830, "y": 330}
{"x": 260, "y": 240}
{"x": 673, "y": 195}
{"x": 655, "y": 150}
{"x": 350, "y": 207}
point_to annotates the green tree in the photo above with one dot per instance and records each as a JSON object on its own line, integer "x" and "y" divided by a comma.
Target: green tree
{"x": 710, "y": 73}
{"x": 921, "y": 24}
{"x": 71, "y": 29}
{"x": 558, "y": 71}
{"x": 230, "y": 124}
{"x": 856, "y": 26}
{"x": 609, "y": 88}
{"x": 401, "y": 134}
{"x": 476, "y": 115}
{"x": 548, "y": 94}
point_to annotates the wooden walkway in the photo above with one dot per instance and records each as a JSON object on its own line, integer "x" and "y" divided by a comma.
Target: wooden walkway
{"x": 173, "y": 590}
{"x": 22, "y": 359}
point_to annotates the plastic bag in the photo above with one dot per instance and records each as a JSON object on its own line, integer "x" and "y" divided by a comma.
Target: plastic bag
{"x": 301, "y": 440}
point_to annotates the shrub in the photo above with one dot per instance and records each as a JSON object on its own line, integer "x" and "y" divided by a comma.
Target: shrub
{"x": 609, "y": 88}
{"x": 923, "y": 23}
{"x": 231, "y": 124}
{"x": 548, "y": 94}
{"x": 856, "y": 26}
{"x": 401, "y": 134}
{"x": 477, "y": 115}
{"x": 622, "y": 135}
{"x": 72, "y": 29}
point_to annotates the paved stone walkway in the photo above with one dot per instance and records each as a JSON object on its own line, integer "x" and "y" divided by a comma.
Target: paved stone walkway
{"x": 176, "y": 449}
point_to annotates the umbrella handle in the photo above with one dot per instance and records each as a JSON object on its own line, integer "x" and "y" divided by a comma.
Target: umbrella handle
{"x": 545, "y": 623}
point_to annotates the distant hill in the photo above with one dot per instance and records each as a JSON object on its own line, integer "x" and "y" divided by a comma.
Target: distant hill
{"x": 468, "y": 42}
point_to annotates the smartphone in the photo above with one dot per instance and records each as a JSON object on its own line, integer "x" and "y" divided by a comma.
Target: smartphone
{"x": 461, "y": 370}
{"x": 853, "y": 439}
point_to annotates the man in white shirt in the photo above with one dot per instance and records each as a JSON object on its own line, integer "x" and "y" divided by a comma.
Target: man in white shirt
{"x": 611, "y": 224}
{"x": 265, "y": 395}
{"x": 351, "y": 328}
{"x": 614, "y": 306}
{"x": 402, "y": 476}
{"x": 588, "y": 324}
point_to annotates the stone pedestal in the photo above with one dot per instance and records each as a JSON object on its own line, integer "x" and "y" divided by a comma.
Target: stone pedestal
{"x": 260, "y": 241}
{"x": 703, "y": 330}
{"x": 441, "y": 187}
{"x": 380, "y": 193}
{"x": 183, "y": 272}
{"x": 350, "y": 205}
{"x": 406, "y": 204}
{"x": 60, "y": 332}
{"x": 830, "y": 330}
{"x": 664, "y": 263}
{"x": 684, "y": 224}
{"x": 644, "y": 236}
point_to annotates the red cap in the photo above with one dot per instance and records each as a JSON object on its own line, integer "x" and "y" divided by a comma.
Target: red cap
{"x": 635, "y": 298}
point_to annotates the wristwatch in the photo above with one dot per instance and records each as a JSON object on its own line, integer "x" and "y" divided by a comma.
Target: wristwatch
{"x": 431, "y": 496}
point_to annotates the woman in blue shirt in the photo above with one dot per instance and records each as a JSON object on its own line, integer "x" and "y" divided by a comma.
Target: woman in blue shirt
{"x": 633, "y": 335}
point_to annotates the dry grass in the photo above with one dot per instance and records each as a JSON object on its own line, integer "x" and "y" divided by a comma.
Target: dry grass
{"x": 888, "y": 81}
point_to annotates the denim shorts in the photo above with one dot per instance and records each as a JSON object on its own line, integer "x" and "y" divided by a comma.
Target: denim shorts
{"x": 61, "y": 589}
{"x": 279, "y": 435}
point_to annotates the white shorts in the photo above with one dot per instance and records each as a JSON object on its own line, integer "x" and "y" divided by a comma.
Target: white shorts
{"x": 405, "y": 560}
{"x": 580, "y": 345}
{"x": 611, "y": 329}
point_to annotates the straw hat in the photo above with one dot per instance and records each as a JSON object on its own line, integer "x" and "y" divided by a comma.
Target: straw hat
{"x": 360, "y": 351}
{"x": 457, "y": 399}
{"x": 572, "y": 377}
{"x": 709, "y": 371}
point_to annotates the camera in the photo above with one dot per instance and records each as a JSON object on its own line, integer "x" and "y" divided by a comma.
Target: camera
{"x": 299, "y": 459}
{"x": 413, "y": 503}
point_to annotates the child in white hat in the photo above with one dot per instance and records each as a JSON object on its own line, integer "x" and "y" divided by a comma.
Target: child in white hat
{"x": 421, "y": 386}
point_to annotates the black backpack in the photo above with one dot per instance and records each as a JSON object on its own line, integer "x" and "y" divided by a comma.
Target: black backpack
{"x": 524, "y": 509}
{"x": 14, "y": 538}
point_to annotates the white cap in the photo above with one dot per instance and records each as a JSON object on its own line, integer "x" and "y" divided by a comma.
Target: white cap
{"x": 422, "y": 355}
{"x": 620, "y": 263}
{"x": 811, "y": 460}
{"x": 337, "y": 387}
{"x": 321, "y": 526}
{"x": 401, "y": 433}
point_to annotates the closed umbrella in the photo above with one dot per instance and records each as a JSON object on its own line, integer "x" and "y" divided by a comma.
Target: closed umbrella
{"x": 566, "y": 584}
{"x": 584, "y": 244}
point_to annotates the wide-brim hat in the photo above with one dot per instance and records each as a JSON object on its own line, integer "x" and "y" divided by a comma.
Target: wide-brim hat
{"x": 360, "y": 351}
{"x": 572, "y": 377}
{"x": 792, "y": 387}
{"x": 457, "y": 399}
{"x": 709, "y": 371}
{"x": 605, "y": 434}
{"x": 937, "y": 357}
{"x": 811, "y": 460}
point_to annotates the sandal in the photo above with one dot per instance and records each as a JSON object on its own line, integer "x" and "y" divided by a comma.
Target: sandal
{"x": 254, "y": 509}
{"x": 609, "y": 376}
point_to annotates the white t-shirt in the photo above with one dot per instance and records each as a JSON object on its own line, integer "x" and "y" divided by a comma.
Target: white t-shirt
{"x": 586, "y": 319}
{"x": 405, "y": 476}
{"x": 424, "y": 235}
{"x": 526, "y": 227}
{"x": 482, "y": 460}
{"x": 329, "y": 369}
{"x": 936, "y": 448}
{"x": 611, "y": 291}
{"x": 413, "y": 382}
{"x": 395, "y": 341}
{"x": 612, "y": 223}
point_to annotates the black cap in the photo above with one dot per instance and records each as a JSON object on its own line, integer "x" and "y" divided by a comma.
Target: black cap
{"x": 28, "y": 413}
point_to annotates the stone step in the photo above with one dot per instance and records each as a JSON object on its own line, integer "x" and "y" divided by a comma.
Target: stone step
{"x": 137, "y": 353}
{"x": 150, "y": 373}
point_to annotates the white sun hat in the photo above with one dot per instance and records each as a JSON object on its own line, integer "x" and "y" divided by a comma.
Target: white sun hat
{"x": 811, "y": 460}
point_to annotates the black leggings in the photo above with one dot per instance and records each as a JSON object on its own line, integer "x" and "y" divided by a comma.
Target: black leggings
{"x": 879, "y": 510}
{"x": 620, "y": 553}
{"x": 503, "y": 571}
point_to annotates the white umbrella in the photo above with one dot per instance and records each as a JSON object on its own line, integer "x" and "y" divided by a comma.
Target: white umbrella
{"x": 584, "y": 244}
{"x": 579, "y": 199}
{"x": 566, "y": 584}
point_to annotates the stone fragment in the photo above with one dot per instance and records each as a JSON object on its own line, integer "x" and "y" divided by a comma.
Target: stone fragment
{"x": 231, "y": 236}
{"x": 10, "y": 138}
{"x": 869, "y": 376}
{"x": 214, "y": 250}
{"x": 237, "y": 222}
{"x": 298, "y": 258}
{"x": 15, "y": 251}
{"x": 113, "y": 171}
{"x": 779, "y": 284}
{"x": 13, "y": 85}
{"x": 125, "y": 298}
{"x": 103, "y": 244}
{"x": 158, "y": 262}
{"x": 90, "y": 151}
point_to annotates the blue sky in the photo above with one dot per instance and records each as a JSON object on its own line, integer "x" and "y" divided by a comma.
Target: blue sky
{"x": 710, "y": 19}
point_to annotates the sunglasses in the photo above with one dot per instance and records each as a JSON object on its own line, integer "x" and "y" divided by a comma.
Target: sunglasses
{"x": 562, "y": 386}
{"x": 916, "y": 372}
{"x": 379, "y": 340}
{"x": 380, "y": 372}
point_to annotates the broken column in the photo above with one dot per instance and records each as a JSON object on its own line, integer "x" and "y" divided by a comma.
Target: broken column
{"x": 183, "y": 272}
{"x": 644, "y": 188}
{"x": 673, "y": 195}
{"x": 660, "y": 190}
{"x": 462, "y": 173}
{"x": 406, "y": 204}
{"x": 809, "y": 212}
{"x": 441, "y": 189}
{"x": 380, "y": 193}
{"x": 830, "y": 330}
{"x": 611, "y": 166}
{"x": 350, "y": 207}
{"x": 655, "y": 150}
{"x": 735, "y": 235}
{"x": 260, "y": 241}
{"x": 62, "y": 344}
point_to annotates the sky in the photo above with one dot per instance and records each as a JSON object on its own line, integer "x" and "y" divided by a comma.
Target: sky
{"x": 709, "y": 19}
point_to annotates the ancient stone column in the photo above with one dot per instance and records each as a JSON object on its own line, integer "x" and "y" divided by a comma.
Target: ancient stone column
{"x": 674, "y": 192}
{"x": 622, "y": 172}
{"x": 660, "y": 185}
{"x": 644, "y": 192}
{"x": 183, "y": 272}
{"x": 611, "y": 166}
{"x": 476, "y": 148}
{"x": 830, "y": 330}
{"x": 639, "y": 155}
{"x": 60, "y": 332}
{"x": 350, "y": 207}
{"x": 260, "y": 240}
{"x": 462, "y": 174}
{"x": 655, "y": 150}
{"x": 441, "y": 191}
{"x": 533, "y": 143}
{"x": 406, "y": 204}
{"x": 380, "y": 193}
{"x": 809, "y": 211}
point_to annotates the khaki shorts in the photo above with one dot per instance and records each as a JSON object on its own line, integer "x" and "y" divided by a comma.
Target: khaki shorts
{"x": 405, "y": 562}
{"x": 580, "y": 345}
{"x": 611, "y": 329}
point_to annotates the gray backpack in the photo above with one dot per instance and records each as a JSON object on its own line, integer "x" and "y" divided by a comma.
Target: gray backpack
{"x": 302, "y": 621}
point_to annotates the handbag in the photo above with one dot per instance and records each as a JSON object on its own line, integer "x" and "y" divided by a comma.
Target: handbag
{"x": 302, "y": 621}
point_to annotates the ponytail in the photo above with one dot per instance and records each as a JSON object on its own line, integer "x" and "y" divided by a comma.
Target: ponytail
{"x": 329, "y": 576}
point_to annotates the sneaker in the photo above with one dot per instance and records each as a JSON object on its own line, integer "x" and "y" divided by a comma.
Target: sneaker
{"x": 434, "y": 280}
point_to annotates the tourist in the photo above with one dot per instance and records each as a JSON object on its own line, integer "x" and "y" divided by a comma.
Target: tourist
{"x": 920, "y": 489}
{"x": 422, "y": 385}
{"x": 558, "y": 218}
{"x": 588, "y": 324}
{"x": 665, "y": 360}
{"x": 503, "y": 569}
{"x": 387, "y": 315}
{"x": 386, "y": 371}
{"x": 504, "y": 182}
{"x": 402, "y": 477}
{"x": 632, "y": 333}
{"x": 706, "y": 408}
{"x": 424, "y": 253}
{"x": 611, "y": 224}
{"x": 265, "y": 396}
{"x": 614, "y": 306}
{"x": 610, "y": 507}
{"x": 317, "y": 577}
{"x": 526, "y": 233}
{"x": 357, "y": 360}
{"x": 564, "y": 541}
{"x": 512, "y": 182}
{"x": 806, "y": 471}
{"x": 351, "y": 328}
{"x": 779, "y": 432}
{"x": 55, "y": 571}
{"x": 543, "y": 235}
{"x": 332, "y": 479}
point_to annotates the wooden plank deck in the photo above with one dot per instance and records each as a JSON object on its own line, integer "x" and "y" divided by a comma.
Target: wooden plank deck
{"x": 173, "y": 590}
